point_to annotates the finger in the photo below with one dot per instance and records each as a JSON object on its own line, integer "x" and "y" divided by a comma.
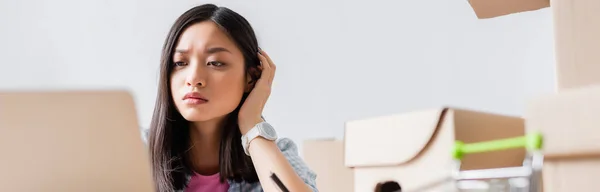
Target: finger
{"x": 271, "y": 65}
{"x": 266, "y": 71}
{"x": 264, "y": 62}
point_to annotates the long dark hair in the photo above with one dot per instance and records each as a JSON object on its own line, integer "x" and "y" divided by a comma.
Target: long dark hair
{"x": 169, "y": 132}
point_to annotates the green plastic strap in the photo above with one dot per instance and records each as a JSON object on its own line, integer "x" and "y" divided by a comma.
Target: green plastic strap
{"x": 532, "y": 141}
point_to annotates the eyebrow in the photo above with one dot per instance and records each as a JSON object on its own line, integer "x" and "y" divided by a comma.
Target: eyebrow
{"x": 209, "y": 51}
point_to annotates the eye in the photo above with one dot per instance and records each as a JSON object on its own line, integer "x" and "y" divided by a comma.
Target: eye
{"x": 215, "y": 63}
{"x": 180, "y": 63}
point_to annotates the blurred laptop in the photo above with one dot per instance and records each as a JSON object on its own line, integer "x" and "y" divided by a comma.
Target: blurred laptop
{"x": 71, "y": 141}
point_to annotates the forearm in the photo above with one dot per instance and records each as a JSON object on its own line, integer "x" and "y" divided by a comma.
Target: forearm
{"x": 267, "y": 158}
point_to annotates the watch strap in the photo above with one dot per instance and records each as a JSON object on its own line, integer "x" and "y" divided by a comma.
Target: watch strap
{"x": 249, "y": 136}
{"x": 258, "y": 131}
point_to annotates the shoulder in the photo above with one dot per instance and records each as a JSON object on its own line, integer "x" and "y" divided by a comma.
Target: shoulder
{"x": 286, "y": 144}
{"x": 290, "y": 150}
{"x": 145, "y": 135}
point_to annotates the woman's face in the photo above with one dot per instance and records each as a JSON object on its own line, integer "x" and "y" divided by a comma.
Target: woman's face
{"x": 208, "y": 77}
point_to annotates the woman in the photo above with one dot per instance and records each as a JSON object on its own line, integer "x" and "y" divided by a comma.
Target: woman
{"x": 207, "y": 133}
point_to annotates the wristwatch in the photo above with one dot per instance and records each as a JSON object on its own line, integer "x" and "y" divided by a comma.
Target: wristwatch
{"x": 262, "y": 129}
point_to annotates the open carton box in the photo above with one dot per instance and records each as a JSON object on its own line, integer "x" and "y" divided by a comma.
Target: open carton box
{"x": 570, "y": 123}
{"x": 414, "y": 149}
{"x": 567, "y": 119}
{"x": 576, "y": 39}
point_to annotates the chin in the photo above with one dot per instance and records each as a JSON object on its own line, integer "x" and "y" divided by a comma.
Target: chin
{"x": 195, "y": 115}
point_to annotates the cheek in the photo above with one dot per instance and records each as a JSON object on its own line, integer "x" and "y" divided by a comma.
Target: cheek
{"x": 231, "y": 86}
{"x": 229, "y": 89}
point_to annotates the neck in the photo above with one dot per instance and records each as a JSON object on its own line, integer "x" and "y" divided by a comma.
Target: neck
{"x": 205, "y": 139}
{"x": 206, "y": 133}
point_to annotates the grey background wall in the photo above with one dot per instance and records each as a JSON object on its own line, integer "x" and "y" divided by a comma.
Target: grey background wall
{"x": 337, "y": 60}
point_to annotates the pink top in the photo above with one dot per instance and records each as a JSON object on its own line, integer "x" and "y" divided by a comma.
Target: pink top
{"x": 202, "y": 183}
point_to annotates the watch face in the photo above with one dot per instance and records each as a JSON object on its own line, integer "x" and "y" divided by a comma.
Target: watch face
{"x": 268, "y": 131}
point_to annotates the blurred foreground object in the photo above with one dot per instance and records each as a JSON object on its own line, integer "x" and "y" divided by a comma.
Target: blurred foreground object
{"x": 71, "y": 141}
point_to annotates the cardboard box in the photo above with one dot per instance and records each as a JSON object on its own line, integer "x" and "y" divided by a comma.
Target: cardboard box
{"x": 414, "y": 149}
{"x": 568, "y": 120}
{"x": 326, "y": 158}
{"x": 570, "y": 123}
{"x": 576, "y": 29}
{"x": 485, "y": 9}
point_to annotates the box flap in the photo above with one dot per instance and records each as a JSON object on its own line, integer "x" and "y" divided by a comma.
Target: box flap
{"x": 568, "y": 121}
{"x": 390, "y": 140}
{"x": 485, "y": 9}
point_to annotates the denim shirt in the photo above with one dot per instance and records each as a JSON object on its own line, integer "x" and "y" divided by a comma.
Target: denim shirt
{"x": 290, "y": 151}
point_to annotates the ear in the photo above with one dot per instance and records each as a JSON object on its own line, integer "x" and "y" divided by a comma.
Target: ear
{"x": 249, "y": 84}
{"x": 252, "y": 72}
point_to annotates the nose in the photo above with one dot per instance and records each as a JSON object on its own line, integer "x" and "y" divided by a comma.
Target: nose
{"x": 196, "y": 76}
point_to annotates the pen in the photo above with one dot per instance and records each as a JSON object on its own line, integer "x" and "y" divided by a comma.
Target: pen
{"x": 279, "y": 183}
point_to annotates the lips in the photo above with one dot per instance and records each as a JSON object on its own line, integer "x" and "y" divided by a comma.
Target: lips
{"x": 194, "y": 98}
